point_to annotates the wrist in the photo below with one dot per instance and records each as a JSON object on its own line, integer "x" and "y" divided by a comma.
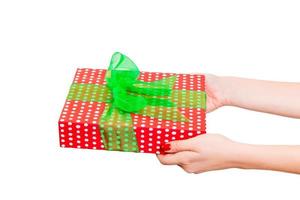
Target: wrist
{"x": 227, "y": 90}
{"x": 235, "y": 156}
{"x": 239, "y": 156}
{"x": 247, "y": 156}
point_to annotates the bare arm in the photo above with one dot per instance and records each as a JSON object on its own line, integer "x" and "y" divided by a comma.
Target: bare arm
{"x": 279, "y": 98}
{"x": 271, "y": 157}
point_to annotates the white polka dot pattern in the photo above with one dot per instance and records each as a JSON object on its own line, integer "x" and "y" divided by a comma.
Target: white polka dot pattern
{"x": 78, "y": 125}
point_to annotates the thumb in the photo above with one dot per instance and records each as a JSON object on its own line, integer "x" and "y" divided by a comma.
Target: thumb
{"x": 177, "y": 146}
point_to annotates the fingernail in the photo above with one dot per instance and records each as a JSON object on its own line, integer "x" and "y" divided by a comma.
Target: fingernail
{"x": 166, "y": 147}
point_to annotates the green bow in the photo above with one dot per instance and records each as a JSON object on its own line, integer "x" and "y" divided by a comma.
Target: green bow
{"x": 129, "y": 93}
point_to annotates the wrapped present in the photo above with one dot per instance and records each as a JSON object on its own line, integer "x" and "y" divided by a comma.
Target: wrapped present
{"x": 123, "y": 109}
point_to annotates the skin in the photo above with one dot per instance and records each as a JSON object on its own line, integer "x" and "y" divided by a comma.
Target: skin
{"x": 215, "y": 152}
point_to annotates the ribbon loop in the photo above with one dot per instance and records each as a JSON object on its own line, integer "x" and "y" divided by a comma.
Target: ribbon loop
{"x": 130, "y": 94}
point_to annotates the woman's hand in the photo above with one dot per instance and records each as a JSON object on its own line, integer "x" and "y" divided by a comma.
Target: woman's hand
{"x": 202, "y": 153}
{"x": 209, "y": 152}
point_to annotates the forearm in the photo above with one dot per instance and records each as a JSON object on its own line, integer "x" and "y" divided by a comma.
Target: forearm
{"x": 268, "y": 157}
{"x": 265, "y": 96}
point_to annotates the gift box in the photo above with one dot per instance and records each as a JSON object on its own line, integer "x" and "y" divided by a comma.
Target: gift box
{"x": 123, "y": 109}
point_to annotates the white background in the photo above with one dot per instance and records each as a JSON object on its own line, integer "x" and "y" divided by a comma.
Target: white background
{"x": 42, "y": 43}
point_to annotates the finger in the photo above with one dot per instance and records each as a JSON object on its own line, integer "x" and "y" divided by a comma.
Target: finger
{"x": 173, "y": 159}
{"x": 179, "y": 145}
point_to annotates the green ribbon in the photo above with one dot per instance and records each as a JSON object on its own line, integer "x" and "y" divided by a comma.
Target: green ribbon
{"x": 125, "y": 94}
{"x": 101, "y": 93}
{"x": 129, "y": 95}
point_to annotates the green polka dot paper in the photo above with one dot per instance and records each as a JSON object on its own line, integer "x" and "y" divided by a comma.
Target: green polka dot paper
{"x": 82, "y": 125}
